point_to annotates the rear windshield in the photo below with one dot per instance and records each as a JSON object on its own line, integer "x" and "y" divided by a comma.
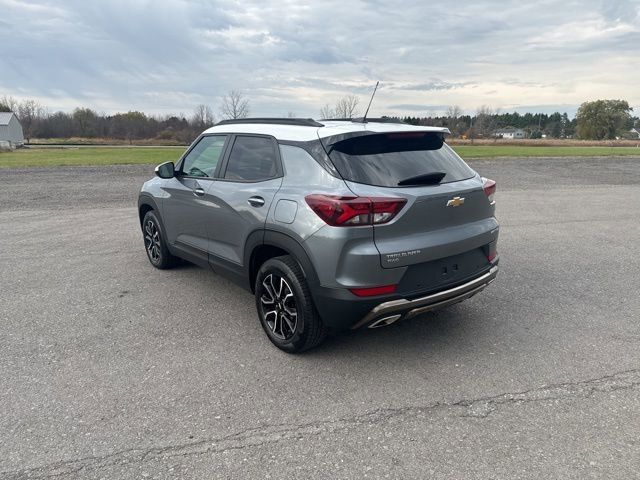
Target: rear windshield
{"x": 390, "y": 159}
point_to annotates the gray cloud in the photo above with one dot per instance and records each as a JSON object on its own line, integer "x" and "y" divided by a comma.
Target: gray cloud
{"x": 417, "y": 107}
{"x": 433, "y": 85}
{"x": 288, "y": 55}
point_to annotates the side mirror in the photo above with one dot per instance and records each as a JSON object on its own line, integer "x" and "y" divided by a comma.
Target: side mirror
{"x": 166, "y": 170}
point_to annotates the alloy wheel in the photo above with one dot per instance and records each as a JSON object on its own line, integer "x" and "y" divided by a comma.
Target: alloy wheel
{"x": 152, "y": 240}
{"x": 278, "y": 307}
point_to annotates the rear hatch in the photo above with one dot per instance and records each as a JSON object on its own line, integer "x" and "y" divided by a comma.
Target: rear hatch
{"x": 447, "y": 226}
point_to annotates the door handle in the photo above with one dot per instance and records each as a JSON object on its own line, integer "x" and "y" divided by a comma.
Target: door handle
{"x": 256, "y": 201}
{"x": 198, "y": 192}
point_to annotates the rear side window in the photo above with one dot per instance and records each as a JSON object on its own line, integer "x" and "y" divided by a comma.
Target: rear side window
{"x": 252, "y": 159}
{"x": 393, "y": 159}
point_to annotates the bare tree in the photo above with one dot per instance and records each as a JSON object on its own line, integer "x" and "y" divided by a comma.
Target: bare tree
{"x": 454, "y": 111}
{"x": 327, "y": 112}
{"x": 202, "y": 117}
{"x": 347, "y": 106}
{"x": 453, "y": 114}
{"x": 485, "y": 122}
{"x": 29, "y": 113}
{"x": 85, "y": 121}
{"x": 234, "y": 105}
{"x": 9, "y": 103}
{"x": 291, "y": 115}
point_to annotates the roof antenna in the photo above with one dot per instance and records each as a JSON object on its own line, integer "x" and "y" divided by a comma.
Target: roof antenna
{"x": 364, "y": 119}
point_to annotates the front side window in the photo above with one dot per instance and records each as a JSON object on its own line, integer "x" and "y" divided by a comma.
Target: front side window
{"x": 203, "y": 159}
{"x": 252, "y": 159}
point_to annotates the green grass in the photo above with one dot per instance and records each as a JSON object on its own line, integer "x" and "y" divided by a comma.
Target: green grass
{"x": 50, "y": 157}
{"x": 491, "y": 151}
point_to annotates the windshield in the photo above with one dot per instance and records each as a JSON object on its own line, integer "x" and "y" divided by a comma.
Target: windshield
{"x": 393, "y": 159}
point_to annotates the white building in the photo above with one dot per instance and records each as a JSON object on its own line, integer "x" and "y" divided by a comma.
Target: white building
{"x": 10, "y": 129}
{"x": 510, "y": 133}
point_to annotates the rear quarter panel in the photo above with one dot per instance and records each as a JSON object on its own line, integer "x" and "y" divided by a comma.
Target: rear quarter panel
{"x": 342, "y": 257}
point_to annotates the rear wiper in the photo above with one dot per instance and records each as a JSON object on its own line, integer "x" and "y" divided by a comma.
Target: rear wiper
{"x": 432, "y": 178}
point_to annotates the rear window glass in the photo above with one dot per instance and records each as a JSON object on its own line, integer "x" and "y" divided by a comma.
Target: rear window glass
{"x": 388, "y": 160}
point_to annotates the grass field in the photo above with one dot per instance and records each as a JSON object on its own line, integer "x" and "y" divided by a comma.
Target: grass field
{"x": 490, "y": 151}
{"x": 49, "y": 157}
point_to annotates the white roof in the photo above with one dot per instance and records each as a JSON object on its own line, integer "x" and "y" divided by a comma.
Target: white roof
{"x": 307, "y": 133}
{"x": 5, "y": 117}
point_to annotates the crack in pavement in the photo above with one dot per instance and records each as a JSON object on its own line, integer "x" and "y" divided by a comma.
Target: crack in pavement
{"x": 568, "y": 222}
{"x": 257, "y": 436}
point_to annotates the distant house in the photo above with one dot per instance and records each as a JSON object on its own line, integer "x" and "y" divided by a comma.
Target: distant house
{"x": 634, "y": 133}
{"x": 10, "y": 130}
{"x": 510, "y": 133}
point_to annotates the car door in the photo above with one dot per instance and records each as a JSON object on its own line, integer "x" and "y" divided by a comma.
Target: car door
{"x": 187, "y": 209}
{"x": 252, "y": 174}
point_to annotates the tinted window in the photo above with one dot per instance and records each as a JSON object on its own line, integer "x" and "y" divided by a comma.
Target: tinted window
{"x": 252, "y": 159}
{"x": 388, "y": 159}
{"x": 203, "y": 159}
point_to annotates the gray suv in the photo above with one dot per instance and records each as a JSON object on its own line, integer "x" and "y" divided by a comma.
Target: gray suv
{"x": 342, "y": 224}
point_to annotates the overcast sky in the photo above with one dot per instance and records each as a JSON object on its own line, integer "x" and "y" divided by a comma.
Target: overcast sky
{"x": 295, "y": 56}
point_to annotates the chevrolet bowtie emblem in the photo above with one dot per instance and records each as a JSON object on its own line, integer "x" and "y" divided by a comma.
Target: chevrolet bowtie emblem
{"x": 455, "y": 202}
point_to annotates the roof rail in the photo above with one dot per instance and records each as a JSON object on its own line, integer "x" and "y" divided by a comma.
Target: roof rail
{"x": 361, "y": 120}
{"x": 377, "y": 120}
{"x": 336, "y": 119}
{"x": 302, "y": 122}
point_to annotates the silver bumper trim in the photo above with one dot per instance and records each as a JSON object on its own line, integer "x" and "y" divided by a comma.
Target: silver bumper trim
{"x": 411, "y": 308}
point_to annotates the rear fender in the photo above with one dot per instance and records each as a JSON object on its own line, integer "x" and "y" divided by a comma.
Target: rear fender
{"x": 296, "y": 250}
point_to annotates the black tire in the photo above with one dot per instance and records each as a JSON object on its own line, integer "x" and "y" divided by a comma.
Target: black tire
{"x": 277, "y": 278}
{"x": 154, "y": 242}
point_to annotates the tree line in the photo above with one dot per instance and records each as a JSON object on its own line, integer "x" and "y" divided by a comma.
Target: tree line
{"x": 599, "y": 120}
{"x": 486, "y": 123}
{"x": 38, "y": 122}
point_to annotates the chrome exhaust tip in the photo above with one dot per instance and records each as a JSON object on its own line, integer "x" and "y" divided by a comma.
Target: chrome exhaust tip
{"x": 385, "y": 321}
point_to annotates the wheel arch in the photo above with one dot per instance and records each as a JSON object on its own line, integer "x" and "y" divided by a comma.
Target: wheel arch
{"x": 146, "y": 203}
{"x": 275, "y": 244}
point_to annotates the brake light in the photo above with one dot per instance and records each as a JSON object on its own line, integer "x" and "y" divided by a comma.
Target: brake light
{"x": 354, "y": 211}
{"x": 373, "y": 291}
{"x": 489, "y": 187}
{"x": 401, "y": 135}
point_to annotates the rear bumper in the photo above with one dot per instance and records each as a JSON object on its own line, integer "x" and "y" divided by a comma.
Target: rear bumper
{"x": 341, "y": 310}
{"x": 389, "y": 312}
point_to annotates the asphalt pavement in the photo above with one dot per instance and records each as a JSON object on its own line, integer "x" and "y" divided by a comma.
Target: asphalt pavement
{"x": 112, "y": 369}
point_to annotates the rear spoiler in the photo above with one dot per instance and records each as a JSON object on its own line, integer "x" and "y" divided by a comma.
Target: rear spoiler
{"x": 328, "y": 142}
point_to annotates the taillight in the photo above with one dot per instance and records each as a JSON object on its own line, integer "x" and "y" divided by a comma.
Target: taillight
{"x": 354, "y": 211}
{"x": 489, "y": 187}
